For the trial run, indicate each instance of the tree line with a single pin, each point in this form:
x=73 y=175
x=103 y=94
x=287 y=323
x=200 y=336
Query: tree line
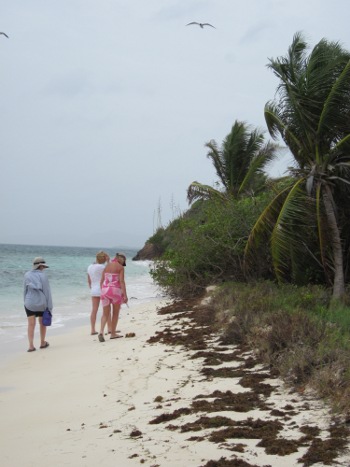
x=292 y=229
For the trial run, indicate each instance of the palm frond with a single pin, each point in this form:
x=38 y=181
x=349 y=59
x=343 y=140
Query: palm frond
x=343 y=141
x=199 y=191
x=261 y=231
x=286 y=69
x=236 y=153
x=288 y=231
x=218 y=161
x=334 y=103
x=277 y=127
x=266 y=154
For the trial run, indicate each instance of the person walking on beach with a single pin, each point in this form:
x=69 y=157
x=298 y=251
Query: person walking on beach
x=113 y=293
x=94 y=274
x=37 y=297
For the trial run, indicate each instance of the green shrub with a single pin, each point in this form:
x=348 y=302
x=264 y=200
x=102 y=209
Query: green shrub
x=206 y=246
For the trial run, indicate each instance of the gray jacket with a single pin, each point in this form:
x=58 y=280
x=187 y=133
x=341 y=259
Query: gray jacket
x=37 y=292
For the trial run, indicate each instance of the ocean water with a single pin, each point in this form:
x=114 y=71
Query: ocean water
x=67 y=274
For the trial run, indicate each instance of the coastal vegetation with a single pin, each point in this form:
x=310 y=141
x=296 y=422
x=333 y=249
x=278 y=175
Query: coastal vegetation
x=277 y=249
x=238 y=164
x=312 y=115
x=292 y=329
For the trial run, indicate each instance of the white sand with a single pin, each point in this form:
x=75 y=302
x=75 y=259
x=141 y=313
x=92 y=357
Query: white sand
x=77 y=402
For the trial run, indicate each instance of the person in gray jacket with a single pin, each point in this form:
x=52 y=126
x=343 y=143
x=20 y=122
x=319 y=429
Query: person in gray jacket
x=37 y=297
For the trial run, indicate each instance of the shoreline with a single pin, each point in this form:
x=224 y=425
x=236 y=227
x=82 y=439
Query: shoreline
x=135 y=400
x=12 y=346
x=69 y=286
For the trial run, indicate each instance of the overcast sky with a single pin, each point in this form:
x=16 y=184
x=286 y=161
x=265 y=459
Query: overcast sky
x=106 y=105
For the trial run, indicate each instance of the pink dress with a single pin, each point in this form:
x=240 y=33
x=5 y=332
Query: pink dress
x=111 y=292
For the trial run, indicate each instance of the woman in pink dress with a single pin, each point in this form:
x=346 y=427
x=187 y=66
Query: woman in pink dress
x=113 y=293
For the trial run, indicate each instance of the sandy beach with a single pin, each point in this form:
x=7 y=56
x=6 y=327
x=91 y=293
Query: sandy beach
x=152 y=399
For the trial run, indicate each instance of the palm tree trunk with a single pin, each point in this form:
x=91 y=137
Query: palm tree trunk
x=338 y=281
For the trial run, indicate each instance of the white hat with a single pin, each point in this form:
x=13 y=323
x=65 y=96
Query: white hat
x=39 y=261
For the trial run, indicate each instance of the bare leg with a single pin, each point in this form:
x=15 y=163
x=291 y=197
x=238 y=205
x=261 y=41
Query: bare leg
x=104 y=319
x=115 y=317
x=42 y=332
x=109 y=323
x=31 y=328
x=95 y=305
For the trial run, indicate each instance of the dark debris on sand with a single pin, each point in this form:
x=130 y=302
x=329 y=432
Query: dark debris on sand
x=223 y=462
x=196 y=336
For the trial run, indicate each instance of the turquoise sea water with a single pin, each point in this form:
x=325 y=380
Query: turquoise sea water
x=67 y=274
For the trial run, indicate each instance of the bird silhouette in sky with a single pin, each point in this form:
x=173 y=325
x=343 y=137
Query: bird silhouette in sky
x=201 y=24
x=4 y=34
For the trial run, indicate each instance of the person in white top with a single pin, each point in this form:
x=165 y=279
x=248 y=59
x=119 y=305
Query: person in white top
x=94 y=274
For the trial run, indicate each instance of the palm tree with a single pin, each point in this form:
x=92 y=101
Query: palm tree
x=312 y=115
x=239 y=164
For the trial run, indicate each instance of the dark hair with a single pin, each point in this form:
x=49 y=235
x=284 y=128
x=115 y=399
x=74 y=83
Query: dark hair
x=121 y=255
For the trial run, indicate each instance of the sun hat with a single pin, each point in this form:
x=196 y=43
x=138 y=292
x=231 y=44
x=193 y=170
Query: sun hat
x=39 y=261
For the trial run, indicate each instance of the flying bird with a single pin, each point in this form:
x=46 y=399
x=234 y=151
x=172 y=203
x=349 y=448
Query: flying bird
x=4 y=34
x=201 y=24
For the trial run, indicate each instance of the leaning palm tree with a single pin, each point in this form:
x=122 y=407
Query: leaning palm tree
x=312 y=115
x=239 y=164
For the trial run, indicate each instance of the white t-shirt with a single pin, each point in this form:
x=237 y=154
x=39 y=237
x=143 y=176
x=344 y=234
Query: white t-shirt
x=95 y=272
